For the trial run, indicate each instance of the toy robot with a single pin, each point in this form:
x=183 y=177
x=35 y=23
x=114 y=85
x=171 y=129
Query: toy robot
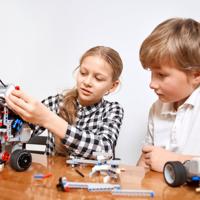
x=177 y=173
x=14 y=134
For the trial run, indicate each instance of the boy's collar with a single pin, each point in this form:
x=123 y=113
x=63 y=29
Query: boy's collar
x=168 y=108
x=192 y=98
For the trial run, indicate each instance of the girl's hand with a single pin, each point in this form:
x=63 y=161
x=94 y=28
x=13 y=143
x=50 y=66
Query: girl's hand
x=28 y=108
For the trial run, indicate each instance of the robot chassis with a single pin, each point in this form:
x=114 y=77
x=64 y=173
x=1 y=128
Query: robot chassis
x=176 y=173
x=14 y=134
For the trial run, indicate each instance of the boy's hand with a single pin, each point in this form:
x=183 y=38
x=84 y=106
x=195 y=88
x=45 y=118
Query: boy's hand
x=156 y=157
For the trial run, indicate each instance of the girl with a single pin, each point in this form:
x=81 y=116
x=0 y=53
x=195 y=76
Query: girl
x=80 y=121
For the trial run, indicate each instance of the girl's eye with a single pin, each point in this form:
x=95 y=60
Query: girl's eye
x=99 y=78
x=82 y=73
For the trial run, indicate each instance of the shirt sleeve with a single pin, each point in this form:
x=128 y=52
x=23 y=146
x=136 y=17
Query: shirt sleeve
x=150 y=128
x=52 y=102
x=84 y=143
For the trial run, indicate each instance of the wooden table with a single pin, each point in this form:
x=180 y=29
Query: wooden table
x=23 y=186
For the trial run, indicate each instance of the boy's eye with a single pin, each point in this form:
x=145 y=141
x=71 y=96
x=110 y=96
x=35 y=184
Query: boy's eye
x=161 y=75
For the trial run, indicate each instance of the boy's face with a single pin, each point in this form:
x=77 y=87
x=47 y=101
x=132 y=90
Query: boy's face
x=94 y=80
x=171 y=84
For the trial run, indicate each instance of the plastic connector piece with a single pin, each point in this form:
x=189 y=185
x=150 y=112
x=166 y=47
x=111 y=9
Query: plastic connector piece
x=17 y=87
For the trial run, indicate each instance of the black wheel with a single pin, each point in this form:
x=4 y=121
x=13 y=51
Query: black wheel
x=175 y=173
x=20 y=160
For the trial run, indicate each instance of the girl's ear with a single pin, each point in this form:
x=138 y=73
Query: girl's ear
x=114 y=86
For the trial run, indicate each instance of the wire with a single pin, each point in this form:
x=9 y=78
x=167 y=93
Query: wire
x=2 y=83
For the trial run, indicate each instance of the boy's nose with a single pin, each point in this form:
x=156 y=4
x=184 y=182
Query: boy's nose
x=153 y=85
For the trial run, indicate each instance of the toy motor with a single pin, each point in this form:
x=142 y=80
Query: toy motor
x=14 y=134
x=177 y=173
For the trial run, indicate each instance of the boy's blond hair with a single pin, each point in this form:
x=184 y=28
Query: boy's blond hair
x=174 y=41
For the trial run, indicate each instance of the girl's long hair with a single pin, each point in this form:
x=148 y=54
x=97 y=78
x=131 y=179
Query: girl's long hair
x=68 y=109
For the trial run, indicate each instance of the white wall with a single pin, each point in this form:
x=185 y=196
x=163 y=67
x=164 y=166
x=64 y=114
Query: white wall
x=41 y=42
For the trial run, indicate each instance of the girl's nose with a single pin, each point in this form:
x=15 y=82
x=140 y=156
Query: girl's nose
x=88 y=81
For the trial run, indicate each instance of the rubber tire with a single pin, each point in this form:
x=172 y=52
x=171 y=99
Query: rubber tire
x=20 y=160
x=180 y=174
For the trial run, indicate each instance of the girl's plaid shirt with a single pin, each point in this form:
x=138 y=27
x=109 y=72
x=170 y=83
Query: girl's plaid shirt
x=96 y=129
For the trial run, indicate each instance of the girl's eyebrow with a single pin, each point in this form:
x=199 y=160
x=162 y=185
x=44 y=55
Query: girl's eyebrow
x=97 y=74
x=101 y=75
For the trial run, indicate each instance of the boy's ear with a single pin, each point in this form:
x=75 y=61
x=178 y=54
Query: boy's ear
x=196 y=76
x=114 y=86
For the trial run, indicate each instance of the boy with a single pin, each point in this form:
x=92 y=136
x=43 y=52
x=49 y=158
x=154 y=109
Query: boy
x=172 y=54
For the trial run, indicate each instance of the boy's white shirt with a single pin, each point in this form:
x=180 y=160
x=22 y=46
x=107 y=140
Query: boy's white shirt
x=177 y=131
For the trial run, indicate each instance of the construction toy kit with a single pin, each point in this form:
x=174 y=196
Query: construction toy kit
x=14 y=134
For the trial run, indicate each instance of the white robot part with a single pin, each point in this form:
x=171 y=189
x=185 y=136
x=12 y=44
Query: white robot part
x=193 y=167
x=25 y=133
x=9 y=89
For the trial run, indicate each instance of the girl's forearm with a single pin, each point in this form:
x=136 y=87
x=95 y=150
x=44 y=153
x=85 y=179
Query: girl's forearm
x=55 y=124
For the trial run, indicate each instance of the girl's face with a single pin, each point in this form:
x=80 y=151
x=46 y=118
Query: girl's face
x=172 y=84
x=94 y=80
